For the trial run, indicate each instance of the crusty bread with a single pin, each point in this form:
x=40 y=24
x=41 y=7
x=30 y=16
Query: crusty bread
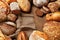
x=37 y=35
x=53 y=16
x=52 y=29
x=24 y=5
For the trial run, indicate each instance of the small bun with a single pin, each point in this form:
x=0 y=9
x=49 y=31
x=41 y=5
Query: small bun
x=37 y=35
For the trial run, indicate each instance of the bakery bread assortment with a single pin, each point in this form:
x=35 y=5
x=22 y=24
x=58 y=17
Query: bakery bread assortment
x=14 y=26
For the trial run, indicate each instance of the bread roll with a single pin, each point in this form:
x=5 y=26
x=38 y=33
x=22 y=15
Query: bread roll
x=53 y=16
x=37 y=35
x=24 y=5
x=15 y=7
x=52 y=29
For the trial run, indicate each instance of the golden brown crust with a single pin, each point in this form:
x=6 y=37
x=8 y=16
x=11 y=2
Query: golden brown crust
x=2 y=37
x=53 y=16
x=22 y=36
x=24 y=5
x=42 y=34
x=52 y=28
x=38 y=35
